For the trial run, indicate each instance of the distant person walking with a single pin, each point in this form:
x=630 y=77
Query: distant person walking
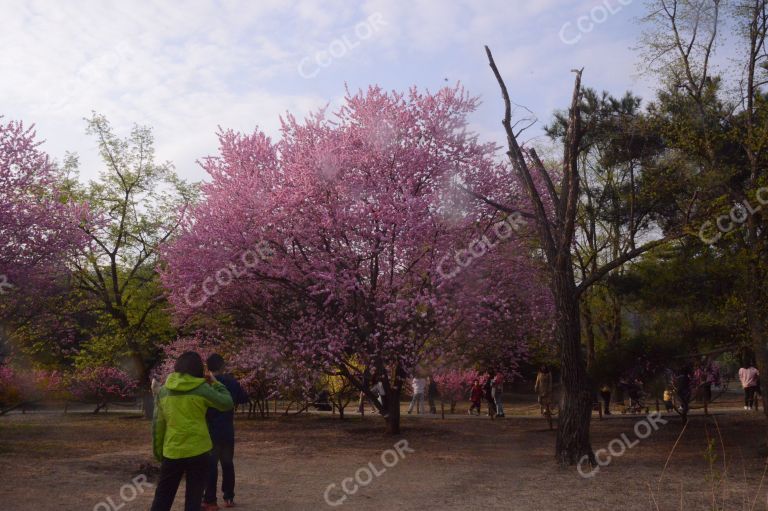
x=496 y=392
x=605 y=394
x=432 y=394
x=222 y=428
x=181 y=441
x=419 y=386
x=543 y=387
x=749 y=378
x=378 y=390
x=488 y=393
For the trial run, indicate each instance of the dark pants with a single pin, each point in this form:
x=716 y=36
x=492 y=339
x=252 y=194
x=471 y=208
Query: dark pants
x=223 y=452
x=195 y=469
x=491 y=406
x=432 y=407
x=749 y=396
x=606 y=402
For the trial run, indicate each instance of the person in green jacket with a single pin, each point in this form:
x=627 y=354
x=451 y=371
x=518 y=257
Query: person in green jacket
x=181 y=441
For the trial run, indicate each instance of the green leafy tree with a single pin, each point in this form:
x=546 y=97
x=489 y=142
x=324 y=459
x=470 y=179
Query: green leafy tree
x=138 y=204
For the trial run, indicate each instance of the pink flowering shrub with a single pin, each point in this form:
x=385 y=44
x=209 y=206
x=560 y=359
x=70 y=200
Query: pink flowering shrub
x=19 y=387
x=454 y=385
x=9 y=392
x=101 y=385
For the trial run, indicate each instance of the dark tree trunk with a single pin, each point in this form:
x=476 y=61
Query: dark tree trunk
x=757 y=333
x=147 y=403
x=576 y=409
x=589 y=332
x=145 y=385
x=393 y=404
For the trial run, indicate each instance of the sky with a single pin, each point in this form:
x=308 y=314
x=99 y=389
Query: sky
x=186 y=67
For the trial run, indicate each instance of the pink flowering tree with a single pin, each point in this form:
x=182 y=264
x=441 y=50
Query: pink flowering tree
x=331 y=244
x=39 y=226
x=102 y=385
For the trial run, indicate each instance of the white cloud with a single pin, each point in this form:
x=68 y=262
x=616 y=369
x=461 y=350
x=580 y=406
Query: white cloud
x=185 y=68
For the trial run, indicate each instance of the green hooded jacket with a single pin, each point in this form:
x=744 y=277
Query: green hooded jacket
x=179 y=429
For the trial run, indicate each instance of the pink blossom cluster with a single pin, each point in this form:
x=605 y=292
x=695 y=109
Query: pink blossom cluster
x=102 y=384
x=39 y=227
x=453 y=385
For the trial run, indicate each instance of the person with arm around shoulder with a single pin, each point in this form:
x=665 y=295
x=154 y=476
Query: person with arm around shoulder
x=222 y=428
x=180 y=437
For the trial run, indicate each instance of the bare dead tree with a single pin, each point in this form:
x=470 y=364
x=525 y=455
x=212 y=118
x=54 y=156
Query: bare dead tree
x=556 y=237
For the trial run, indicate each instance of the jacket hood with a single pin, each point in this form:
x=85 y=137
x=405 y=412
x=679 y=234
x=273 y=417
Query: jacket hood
x=183 y=382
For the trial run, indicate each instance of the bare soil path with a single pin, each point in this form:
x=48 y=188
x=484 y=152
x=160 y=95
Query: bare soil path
x=50 y=461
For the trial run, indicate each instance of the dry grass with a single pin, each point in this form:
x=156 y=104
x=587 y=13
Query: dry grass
x=51 y=461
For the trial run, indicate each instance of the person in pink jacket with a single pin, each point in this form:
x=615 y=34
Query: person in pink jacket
x=749 y=378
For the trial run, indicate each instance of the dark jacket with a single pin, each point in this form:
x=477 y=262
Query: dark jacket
x=432 y=392
x=487 y=386
x=222 y=424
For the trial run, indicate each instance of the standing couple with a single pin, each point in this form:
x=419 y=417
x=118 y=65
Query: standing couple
x=193 y=431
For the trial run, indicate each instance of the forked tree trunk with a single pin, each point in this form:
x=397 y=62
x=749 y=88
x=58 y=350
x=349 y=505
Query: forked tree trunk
x=576 y=410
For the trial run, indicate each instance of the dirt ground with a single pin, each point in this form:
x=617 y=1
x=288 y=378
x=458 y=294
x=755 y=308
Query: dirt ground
x=51 y=461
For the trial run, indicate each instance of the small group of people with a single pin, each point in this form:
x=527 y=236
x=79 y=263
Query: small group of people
x=684 y=385
x=491 y=390
x=422 y=387
x=193 y=433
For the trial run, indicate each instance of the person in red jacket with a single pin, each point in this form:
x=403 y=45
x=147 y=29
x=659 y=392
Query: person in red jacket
x=476 y=396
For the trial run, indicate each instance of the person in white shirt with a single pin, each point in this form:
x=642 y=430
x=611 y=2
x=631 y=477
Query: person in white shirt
x=749 y=378
x=378 y=389
x=418 y=385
